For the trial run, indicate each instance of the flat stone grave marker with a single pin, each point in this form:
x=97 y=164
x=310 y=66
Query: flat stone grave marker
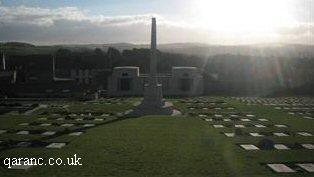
x=281 y=147
x=79 y=119
x=249 y=147
x=280 y=168
x=22 y=166
x=263 y=120
x=2 y=131
x=61 y=118
x=256 y=134
x=56 y=145
x=250 y=115
x=208 y=120
x=24 y=124
x=218 y=115
x=45 y=125
x=304 y=134
x=48 y=133
x=88 y=125
x=309 y=167
x=234 y=115
x=42 y=118
x=76 y=133
x=308 y=117
x=280 y=134
x=23 y=132
x=259 y=126
x=24 y=144
x=246 y=120
x=202 y=115
x=239 y=126
x=120 y=114
x=308 y=146
x=230 y=134
x=67 y=125
x=227 y=120
x=281 y=126
x=55 y=115
x=98 y=119
x=218 y=126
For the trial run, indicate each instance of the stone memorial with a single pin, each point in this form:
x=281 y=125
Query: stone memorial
x=153 y=102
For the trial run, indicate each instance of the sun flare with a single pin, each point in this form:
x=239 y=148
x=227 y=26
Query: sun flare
x=254 y=16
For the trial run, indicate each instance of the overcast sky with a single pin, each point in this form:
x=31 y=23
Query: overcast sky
x=113 y=21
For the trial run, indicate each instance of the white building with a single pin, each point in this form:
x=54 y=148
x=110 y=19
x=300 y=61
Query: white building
x=182 y=81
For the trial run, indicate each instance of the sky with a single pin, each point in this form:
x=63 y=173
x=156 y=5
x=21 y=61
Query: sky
x=222 y=22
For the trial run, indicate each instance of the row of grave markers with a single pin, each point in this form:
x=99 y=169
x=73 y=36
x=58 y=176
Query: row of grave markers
x=252 y=147
x=291 y=168
x=279 y=168
x=295 y=106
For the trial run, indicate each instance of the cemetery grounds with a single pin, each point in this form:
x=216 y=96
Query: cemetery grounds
x=214 y=136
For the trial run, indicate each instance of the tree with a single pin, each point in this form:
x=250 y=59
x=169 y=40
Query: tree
x=99 y=52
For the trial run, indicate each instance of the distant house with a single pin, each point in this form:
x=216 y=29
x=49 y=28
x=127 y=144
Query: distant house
x=31 y=68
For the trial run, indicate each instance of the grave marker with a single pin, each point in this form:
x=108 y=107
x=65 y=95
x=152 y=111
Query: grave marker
x=76 y=133
x=304 y=134
x=22 y=166
x=48 y=133
x=56 y=145
x=249 y=147
x=280 y=168
x=308 y=146
x=281 y=147
x=309 y=167
x=67 y=125
x=256 y=134
x=218 y=126
x=260 y=126
x=280 y=134
x=281 y=126
x=23 y=132
x=230 y=134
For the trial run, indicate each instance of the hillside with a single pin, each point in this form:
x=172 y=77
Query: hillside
x=199 y=49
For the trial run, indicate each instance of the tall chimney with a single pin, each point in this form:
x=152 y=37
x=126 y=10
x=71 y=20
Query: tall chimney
x=53 y=66
x=3 y=61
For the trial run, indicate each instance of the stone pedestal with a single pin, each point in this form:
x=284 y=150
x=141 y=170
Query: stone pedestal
x=153 y=104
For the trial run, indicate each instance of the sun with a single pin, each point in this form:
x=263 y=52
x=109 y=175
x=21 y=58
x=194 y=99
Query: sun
x=255 y=16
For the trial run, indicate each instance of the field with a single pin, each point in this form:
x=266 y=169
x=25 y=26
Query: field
x=205 y=141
